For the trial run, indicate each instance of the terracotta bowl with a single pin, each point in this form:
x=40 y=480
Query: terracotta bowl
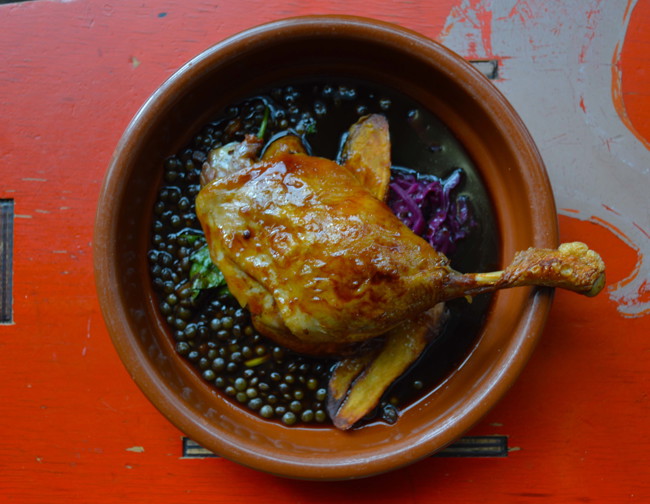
x=510 y=168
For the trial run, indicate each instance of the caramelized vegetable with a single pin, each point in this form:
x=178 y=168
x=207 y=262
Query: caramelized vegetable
x=366 y=153
x=358 y=382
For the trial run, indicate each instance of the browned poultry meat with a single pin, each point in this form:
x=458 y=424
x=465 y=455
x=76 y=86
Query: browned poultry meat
x=321 y=263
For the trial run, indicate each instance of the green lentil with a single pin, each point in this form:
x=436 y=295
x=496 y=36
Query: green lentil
x=267 y=411
x=289 y=418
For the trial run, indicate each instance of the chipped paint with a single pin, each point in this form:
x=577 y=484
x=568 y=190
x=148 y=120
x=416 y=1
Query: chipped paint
x=595 y=158
x=476 y=15
x=582 y=104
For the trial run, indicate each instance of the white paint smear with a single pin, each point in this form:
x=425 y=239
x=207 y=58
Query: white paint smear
x=556 y=70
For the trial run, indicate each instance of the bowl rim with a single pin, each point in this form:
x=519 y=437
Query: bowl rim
x=185 y=418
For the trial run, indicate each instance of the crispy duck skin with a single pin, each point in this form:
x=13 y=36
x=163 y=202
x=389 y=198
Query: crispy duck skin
x=316 y=258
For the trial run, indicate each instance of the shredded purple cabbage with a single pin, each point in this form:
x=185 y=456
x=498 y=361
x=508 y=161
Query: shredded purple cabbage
x=427 y=205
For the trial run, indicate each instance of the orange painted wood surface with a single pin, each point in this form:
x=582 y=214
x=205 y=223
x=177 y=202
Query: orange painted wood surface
x=75 y=428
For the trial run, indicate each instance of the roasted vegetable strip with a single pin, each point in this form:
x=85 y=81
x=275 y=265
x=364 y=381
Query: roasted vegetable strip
x=344 y=374
x=402 y=346
x=289 y=144
x=366 y=153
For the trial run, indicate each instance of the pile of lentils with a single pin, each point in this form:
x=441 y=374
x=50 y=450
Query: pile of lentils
x=210 y=330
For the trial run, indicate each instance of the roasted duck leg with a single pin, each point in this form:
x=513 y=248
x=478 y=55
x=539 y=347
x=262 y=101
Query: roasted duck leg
x=322 y=263
x=359 y=380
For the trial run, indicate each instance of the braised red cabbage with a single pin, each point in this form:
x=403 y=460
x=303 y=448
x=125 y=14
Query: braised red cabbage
x=430 y=207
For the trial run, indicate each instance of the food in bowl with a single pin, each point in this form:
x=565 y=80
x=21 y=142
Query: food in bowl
x=214 y=333
x=296 y=263
x=484 y=345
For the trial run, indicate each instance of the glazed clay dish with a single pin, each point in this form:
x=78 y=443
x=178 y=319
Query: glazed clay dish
x=517 y=196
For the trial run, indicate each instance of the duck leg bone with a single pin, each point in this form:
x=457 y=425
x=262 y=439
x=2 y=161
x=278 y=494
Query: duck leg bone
x=572 y=266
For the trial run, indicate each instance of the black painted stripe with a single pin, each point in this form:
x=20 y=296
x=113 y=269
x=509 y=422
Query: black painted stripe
x=468 y=446
x=6 y=259
x=477 y=446
x=488 y=67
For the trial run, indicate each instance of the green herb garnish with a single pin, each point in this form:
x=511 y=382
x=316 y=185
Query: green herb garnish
x=311 y=128
x=265 y=122
x=204 y=274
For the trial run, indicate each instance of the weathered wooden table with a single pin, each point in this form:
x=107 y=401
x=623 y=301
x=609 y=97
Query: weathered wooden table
x=75 y=427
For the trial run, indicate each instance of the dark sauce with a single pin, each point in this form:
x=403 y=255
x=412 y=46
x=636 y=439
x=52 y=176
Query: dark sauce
x=216 y=336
